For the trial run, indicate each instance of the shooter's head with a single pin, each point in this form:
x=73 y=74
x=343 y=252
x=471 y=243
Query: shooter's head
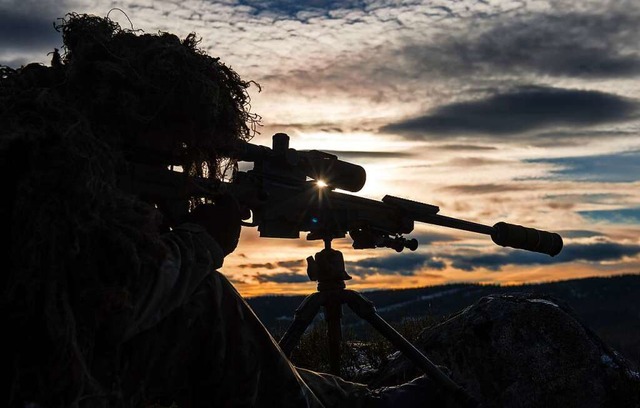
x=158 y=99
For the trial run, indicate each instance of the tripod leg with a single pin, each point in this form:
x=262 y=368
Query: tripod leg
x=303 y=316
x=365 y=309
x=333 y=315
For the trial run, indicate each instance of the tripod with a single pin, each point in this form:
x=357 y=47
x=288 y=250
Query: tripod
x=327 y=268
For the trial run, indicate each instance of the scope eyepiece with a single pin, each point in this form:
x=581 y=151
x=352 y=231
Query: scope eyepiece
x=530 y=239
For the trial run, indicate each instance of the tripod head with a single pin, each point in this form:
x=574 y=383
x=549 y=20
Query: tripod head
x=327 y=268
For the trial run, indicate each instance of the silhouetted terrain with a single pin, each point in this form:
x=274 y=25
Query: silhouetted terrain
x=609 y=306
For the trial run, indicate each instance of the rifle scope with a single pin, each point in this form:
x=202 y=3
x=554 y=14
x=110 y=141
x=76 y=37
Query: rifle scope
x=283 y=171
x=291 y=163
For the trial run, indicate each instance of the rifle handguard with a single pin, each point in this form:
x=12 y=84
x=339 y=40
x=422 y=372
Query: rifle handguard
x=531 y=239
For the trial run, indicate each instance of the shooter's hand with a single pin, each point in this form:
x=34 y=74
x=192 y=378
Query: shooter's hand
x=221 y=220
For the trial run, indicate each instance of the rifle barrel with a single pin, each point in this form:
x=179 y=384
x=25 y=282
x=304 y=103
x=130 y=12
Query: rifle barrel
x=504 y=234
x=445 y=221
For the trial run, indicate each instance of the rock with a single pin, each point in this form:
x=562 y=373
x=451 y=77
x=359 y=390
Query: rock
x=524 y=351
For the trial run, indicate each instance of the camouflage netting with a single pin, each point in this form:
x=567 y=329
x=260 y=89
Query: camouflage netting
x=80 y=247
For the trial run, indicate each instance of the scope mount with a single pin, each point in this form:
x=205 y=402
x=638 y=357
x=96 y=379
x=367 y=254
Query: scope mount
x=368 y=238
x=365 y=238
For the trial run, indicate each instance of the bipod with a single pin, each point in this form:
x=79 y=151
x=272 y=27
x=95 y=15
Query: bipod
x=327 y=268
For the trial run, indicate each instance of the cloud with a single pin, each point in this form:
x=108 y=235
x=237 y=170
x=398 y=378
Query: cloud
x=476 y=161
x=351 y=154
x=580 y=234
x=464 y=147
x=409 y=264
x=589 y=45
x=596 y=252
x=601 y=42
x=268 y=265
x=568 y=138
x=291 y=275
x=292 y=265
x=283 y=277
x=488 y=188
x=312 y=126
x=590 y=198
x=613 y=168
x=406 y=264
x=520 y=110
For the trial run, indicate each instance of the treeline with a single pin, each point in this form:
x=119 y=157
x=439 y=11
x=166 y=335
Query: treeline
x=608 y=305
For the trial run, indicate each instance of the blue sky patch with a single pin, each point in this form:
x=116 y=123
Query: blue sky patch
x=612 y=168
x=294 y=8
x=621 y=216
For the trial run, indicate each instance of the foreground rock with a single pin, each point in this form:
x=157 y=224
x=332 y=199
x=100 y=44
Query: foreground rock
x=524 y=351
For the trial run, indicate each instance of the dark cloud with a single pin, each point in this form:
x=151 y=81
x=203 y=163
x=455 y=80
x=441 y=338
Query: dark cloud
x=570 y=138
x=520 y=110
x=621 y=216
x=28 y=31
x=267 y=265
x=406 y=264
x=327 y=127
x=613 y=168
x=350 y=154
x=488 y=188
x=601 y=43
x=292 y=265
x=589 y=45
x=283 y=277
x=464 y=147
x=597 y=252
x=561 y=205
x=580 y=234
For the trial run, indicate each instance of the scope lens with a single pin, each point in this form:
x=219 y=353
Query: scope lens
x=337 y=174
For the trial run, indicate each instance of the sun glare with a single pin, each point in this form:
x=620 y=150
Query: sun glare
x=321 y=183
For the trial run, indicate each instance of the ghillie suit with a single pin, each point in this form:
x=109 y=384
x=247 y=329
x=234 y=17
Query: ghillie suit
x=81 y=249
x=101 y=305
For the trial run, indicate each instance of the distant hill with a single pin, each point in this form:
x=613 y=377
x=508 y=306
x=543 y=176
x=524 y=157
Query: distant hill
x=609 y=306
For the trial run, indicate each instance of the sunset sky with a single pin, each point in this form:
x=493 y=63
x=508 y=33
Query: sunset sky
x=518 y=111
